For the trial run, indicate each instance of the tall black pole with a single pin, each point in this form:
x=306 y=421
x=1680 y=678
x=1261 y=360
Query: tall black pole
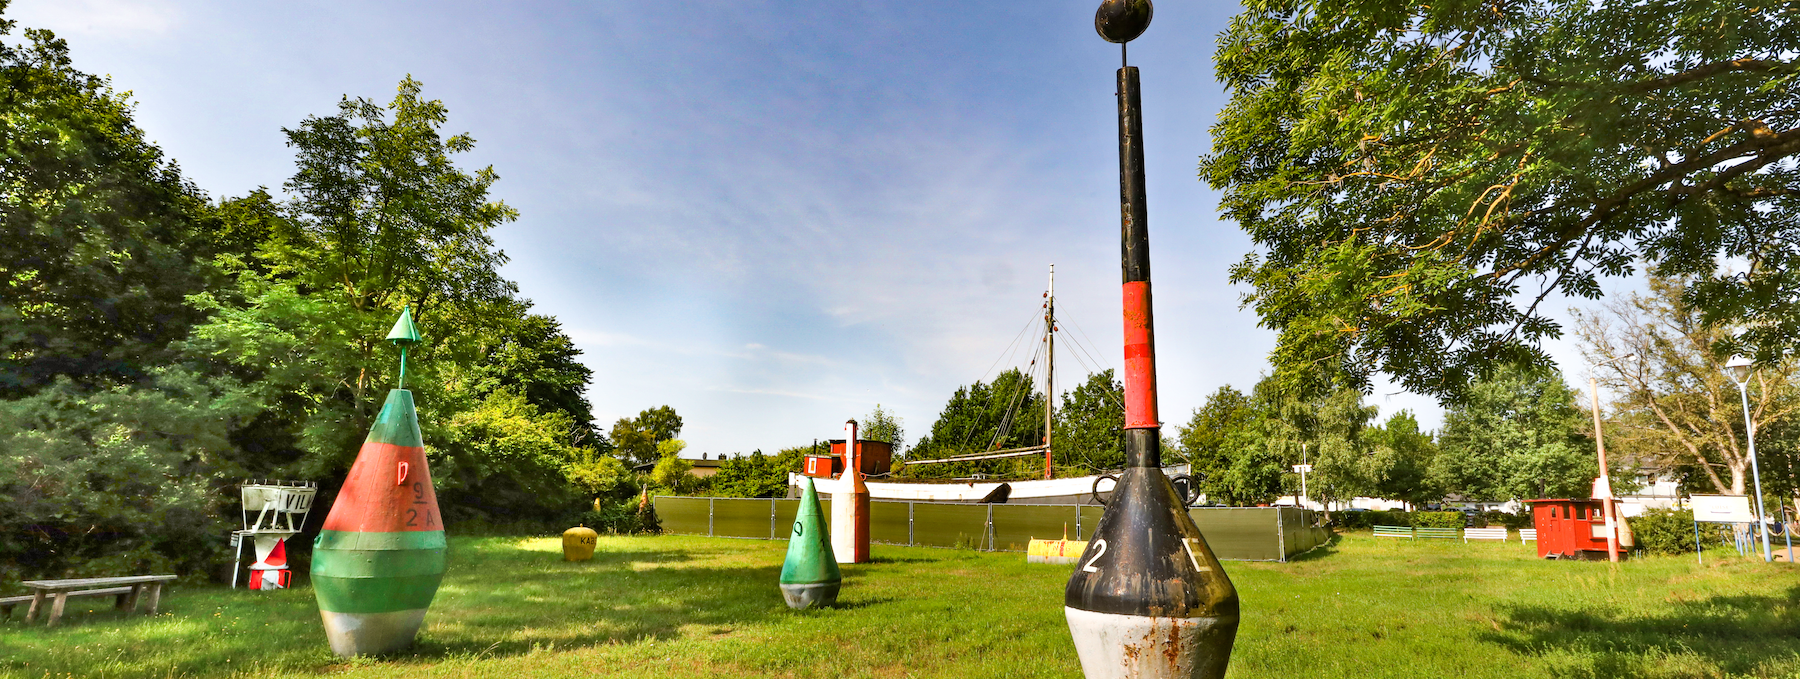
x=1148 y=598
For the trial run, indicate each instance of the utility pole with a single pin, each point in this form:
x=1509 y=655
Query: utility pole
x=1049 y=369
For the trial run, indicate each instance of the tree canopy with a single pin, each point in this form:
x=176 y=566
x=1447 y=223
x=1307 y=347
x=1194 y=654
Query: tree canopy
x=1420 y=178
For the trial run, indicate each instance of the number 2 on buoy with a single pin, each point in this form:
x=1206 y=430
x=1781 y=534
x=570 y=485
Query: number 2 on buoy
x=1090 y=564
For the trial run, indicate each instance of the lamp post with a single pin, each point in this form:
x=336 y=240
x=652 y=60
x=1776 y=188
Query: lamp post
x=1738 y=368
x=1612 y=530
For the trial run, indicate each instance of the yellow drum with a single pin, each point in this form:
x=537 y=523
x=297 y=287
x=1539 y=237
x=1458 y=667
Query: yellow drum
x=578 y=543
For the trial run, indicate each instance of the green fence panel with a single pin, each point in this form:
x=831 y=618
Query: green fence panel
x=1016 y=525
x=741 y=518
x=950 y=525
x=1087 y=517
x=785 y=510
x=1235 y=534
x=888 y=523
x=683 y=514
x=1240 y=533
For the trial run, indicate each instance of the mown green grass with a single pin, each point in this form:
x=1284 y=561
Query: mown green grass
x=702 y=607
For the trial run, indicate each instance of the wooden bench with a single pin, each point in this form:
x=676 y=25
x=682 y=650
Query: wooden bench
x=1527 y=535
x=122 y=594
x=1424 y=533
x=1394 y=532
x=127 y=589
x=1484 y=534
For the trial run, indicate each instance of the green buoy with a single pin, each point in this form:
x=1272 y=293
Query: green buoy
x=810 y=575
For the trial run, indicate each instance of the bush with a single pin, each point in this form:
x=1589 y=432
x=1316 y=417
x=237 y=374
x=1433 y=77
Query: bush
x=621 y=517
x=1508 y=519
x=1671 y=531
x=1437 y=519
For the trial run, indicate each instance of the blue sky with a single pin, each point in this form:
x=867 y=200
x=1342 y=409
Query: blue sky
x=771 y=216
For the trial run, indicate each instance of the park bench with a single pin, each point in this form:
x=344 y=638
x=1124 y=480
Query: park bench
x=1484 y=534
x=125 y=589
x=1394 y=532
x=1424 y=533
x=1527 y=535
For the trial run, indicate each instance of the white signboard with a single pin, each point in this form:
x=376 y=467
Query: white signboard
x=1722 y=508
x=1302 y=468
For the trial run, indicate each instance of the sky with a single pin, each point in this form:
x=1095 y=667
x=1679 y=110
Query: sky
x=772 y=216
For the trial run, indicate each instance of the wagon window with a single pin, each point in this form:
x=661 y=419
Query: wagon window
x=1553 y=513
x=1581 y=512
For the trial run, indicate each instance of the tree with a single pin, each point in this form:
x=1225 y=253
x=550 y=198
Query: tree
x=1203 y=439
x=1676 y=397
x=637 y=437
x=1090 y=427
x=1401 y=458
x=1516 y=436
x=98 y=233
x=757 y=475
x=1419 y=178
x=883 y=425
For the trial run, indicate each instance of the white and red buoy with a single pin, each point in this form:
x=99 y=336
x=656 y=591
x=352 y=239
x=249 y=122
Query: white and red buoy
x=850 y=505
x=1148 y=598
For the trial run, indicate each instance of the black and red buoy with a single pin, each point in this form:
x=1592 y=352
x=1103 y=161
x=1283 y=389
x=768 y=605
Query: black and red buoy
x=1148 y=598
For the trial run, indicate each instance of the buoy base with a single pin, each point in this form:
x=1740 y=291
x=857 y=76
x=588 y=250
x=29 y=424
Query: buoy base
x=1116 y=646
x=802 y=597
x=353 y=634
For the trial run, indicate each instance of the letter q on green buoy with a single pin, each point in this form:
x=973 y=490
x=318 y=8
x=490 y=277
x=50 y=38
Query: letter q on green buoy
x=810 y=576
x=380 y=555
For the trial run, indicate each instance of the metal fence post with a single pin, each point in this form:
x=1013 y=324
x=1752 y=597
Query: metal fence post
x=909 y=524
x=709 y=516
x=771 y=518
x=990 y=527
x=1078 y=521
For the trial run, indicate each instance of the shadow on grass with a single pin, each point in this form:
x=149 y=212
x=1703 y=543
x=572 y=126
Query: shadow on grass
x=1735 y=634
x=502 y=603
x=1324 y=551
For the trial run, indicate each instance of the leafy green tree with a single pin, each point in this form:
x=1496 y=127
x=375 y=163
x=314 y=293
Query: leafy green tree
x=883 y=425
x=1090 y=427
x=119 y=480
x=1516 y=436
x=756 y=474
x=97 y=231
x=675 y=475
x=1418 y=178
x=636 y=438
x=1401 y=457
x=602 y=475
x=1202 y=440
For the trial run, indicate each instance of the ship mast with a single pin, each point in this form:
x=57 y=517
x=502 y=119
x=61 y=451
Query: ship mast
x=1049 y=369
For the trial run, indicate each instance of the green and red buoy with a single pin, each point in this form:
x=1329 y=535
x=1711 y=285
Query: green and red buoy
x=380 y=556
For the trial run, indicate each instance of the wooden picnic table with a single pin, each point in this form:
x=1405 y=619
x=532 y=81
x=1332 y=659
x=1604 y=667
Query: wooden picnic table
x=127 y=590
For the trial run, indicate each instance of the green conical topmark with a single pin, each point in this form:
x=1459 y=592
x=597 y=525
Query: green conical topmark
x=404 y=331
x=810 y=575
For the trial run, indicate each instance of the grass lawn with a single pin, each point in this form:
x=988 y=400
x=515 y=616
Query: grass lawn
x=679 y=606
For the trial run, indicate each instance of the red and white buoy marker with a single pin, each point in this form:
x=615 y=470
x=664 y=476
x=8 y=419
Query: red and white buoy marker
x=850 y=506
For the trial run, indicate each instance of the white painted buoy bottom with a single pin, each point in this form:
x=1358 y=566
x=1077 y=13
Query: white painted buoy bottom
x=1116 y=646
x=800 y=597
x=371 y=633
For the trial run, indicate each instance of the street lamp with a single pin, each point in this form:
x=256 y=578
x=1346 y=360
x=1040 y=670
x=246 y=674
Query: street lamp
x=1612 y=531
x=1739 y=370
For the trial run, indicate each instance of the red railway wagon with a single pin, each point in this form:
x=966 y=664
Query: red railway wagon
x=1570 y=529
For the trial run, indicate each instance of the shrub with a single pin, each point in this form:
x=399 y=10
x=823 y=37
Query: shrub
x=1437 y=519
x=618 y=517
x=1671 y=531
